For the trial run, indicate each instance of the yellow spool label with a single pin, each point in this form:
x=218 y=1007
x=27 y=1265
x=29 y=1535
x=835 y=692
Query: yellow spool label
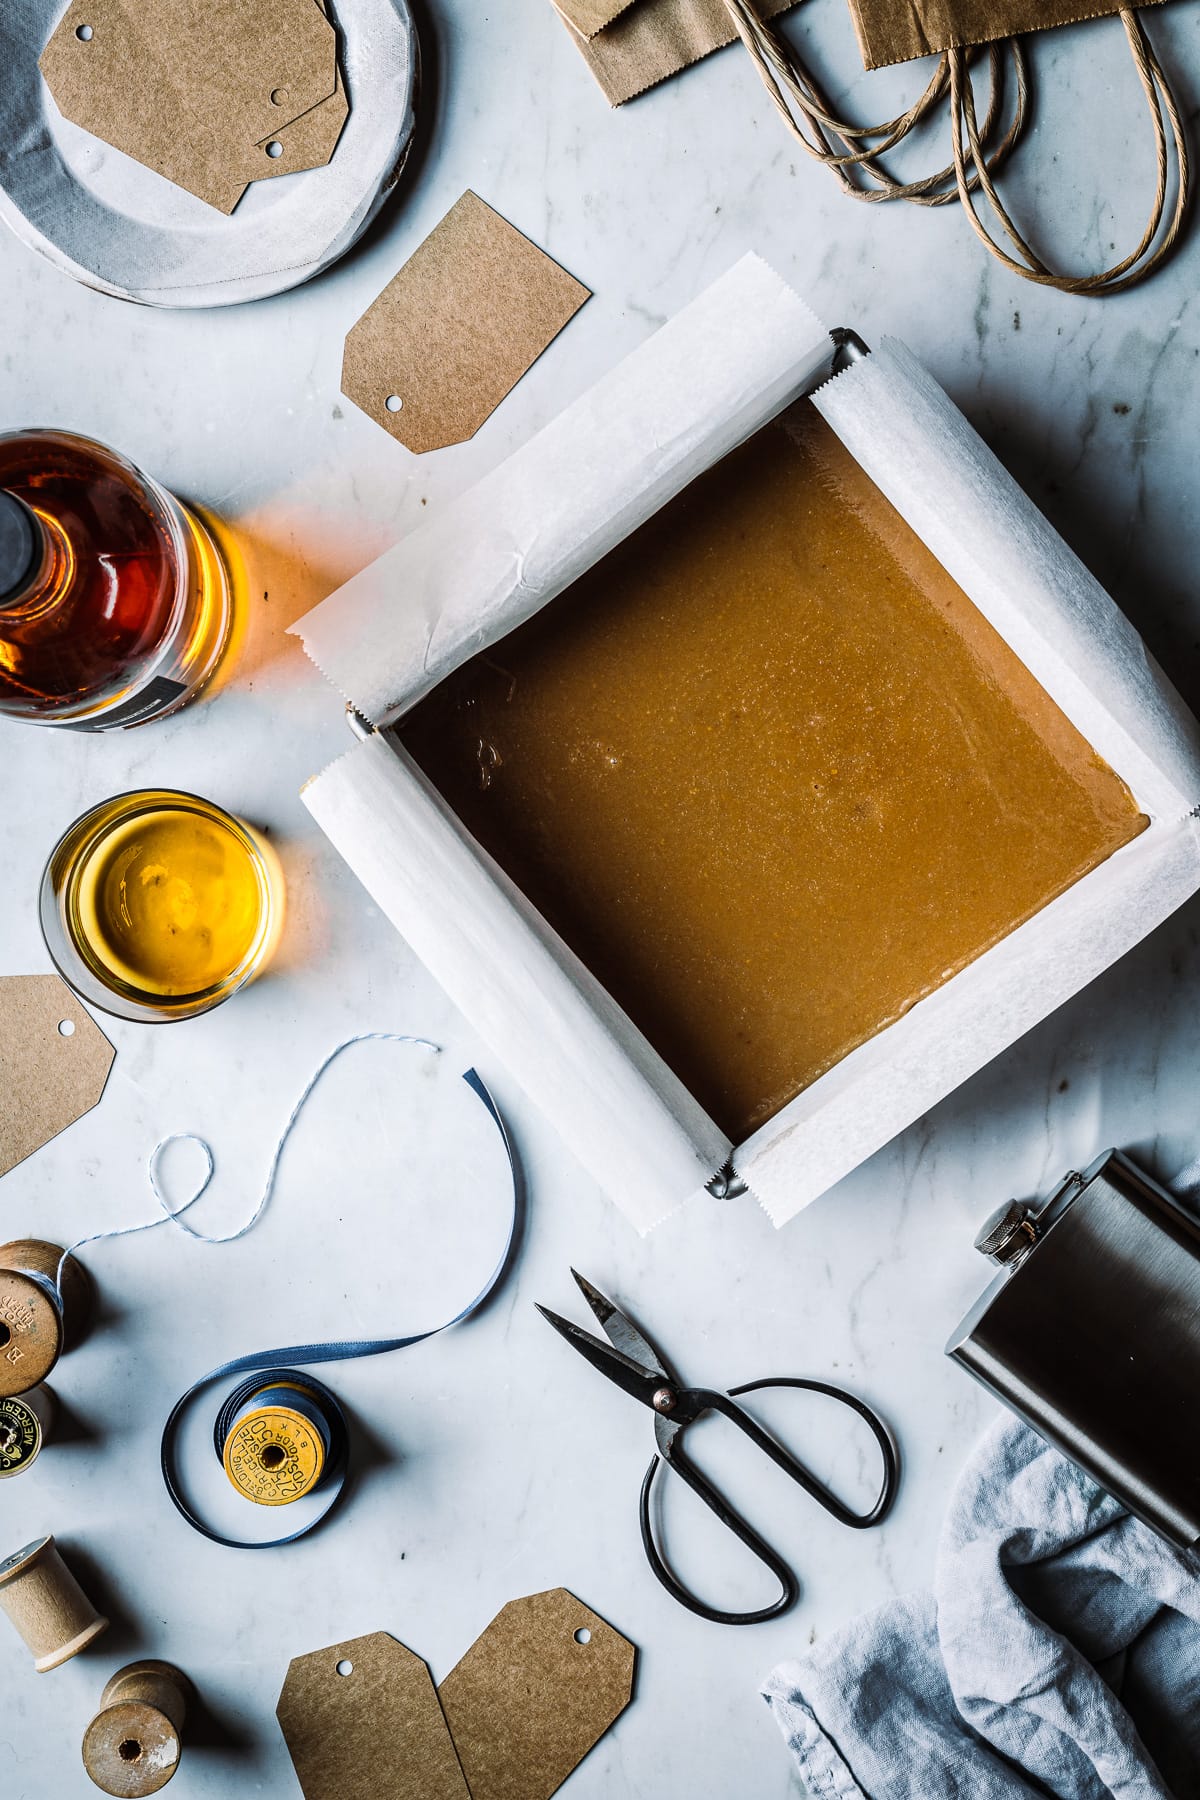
x=273 y=1456
x=20 y=1436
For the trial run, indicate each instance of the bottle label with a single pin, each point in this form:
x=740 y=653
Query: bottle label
x=155 y=698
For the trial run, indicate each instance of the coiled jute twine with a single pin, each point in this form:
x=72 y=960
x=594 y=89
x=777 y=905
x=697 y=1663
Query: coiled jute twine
x=852 y=152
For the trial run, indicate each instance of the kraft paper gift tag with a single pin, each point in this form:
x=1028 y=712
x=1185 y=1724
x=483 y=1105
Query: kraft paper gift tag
x=453 y=332
x=651 y=40
x=307 y=143
x=211 y=94
x=54 y=1063
x=520 y=1711
x=892 y=31
x=534 y=1694
x=362 y=1721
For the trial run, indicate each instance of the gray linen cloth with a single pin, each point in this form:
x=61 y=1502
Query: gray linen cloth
x=1058 y=1654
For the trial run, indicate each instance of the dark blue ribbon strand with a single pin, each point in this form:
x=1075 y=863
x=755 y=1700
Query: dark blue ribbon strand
x=274 y=1363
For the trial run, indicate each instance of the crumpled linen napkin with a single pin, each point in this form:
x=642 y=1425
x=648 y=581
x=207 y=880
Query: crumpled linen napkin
x=1058 y=1654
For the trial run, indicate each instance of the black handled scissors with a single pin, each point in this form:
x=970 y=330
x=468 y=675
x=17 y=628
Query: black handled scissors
x=633 y=1363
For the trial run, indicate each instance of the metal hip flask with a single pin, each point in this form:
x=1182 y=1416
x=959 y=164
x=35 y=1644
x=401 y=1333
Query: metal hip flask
x=1091 y=1333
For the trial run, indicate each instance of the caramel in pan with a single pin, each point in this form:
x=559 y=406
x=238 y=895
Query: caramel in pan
x=770 y=773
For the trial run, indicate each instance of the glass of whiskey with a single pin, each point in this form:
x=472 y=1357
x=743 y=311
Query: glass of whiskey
x=159 y=905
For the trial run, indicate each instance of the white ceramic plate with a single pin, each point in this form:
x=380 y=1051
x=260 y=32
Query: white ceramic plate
x=109 y=222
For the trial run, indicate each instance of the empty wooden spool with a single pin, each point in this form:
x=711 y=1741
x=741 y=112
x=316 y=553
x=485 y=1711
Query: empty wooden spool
x=133 y=1745
x=34 y=1332
x=47 y=1604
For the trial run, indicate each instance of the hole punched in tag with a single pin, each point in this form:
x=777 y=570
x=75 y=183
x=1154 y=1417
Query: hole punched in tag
x=456 y=328
x=514 y=1717
x=380 y=1732
x=534 y=1693
x=193 y=90
x=54 y=1063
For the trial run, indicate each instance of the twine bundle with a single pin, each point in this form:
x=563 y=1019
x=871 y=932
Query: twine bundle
x=852 y=152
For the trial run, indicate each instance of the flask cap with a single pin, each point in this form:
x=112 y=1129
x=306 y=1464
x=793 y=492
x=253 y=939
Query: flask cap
x=1009 y=1234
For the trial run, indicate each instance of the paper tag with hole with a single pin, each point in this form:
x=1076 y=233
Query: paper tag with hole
x=54 y=1063
x=362 y=1720
x=469 y=313
x=534 y=1693
x=527 y=1702
x=212 y=94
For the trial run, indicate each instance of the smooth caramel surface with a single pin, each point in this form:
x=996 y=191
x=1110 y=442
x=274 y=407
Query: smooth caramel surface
x=770 y=773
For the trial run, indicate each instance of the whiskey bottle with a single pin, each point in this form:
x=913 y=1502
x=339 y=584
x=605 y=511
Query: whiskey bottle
x=115 y=601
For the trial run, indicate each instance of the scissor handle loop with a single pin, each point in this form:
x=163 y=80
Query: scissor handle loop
x=693 y=1403
x=717 y=1504
x=806 y=1479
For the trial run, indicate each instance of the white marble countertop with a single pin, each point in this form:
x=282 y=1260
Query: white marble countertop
x=500 y=1464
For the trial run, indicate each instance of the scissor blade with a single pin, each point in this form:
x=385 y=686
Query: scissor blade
x=621 y=1332
x=627 y=1374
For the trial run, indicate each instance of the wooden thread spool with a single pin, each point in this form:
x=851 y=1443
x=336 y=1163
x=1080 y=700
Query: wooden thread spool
x=34 y=1329
x=133 y=1745
x=47 y=1605
x=278 y=1445
x=26 y=1422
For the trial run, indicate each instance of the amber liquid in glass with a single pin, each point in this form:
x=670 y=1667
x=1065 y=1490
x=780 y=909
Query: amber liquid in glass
x=129 y=610
x=159 y=905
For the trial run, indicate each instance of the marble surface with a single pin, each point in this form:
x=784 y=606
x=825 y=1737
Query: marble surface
x=496 y=1463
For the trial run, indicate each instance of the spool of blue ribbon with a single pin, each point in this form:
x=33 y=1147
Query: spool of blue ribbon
x=280 y=1367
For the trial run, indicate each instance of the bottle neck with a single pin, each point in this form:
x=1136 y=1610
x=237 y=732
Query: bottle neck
x=34 y=555
x=22 y=550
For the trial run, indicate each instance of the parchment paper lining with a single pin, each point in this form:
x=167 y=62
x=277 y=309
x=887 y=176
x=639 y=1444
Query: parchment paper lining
x=719 y=370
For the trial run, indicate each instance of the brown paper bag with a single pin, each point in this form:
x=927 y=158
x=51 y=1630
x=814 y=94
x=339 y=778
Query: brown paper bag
x=892 y=31
x=652 y=39
x=587 y=17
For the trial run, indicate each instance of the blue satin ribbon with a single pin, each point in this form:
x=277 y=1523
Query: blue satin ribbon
x=276 y=1365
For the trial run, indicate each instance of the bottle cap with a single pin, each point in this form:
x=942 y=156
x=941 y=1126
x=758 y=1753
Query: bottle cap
x=20 y=544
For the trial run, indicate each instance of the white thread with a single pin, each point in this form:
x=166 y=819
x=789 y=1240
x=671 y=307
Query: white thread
x=174 y=1215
